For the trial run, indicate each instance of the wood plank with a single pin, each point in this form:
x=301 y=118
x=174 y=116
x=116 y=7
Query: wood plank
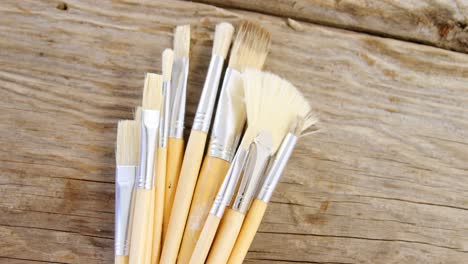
x=439 y=23
x=384 y=181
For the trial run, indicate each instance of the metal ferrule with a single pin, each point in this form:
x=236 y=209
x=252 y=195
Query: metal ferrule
x=257 y=160
x=179 y=85
x=230 y=118
x=205 y=108
x=225 y=193
x=124 y=185
x=277 y=167
x=149 y=135
x=165 y=115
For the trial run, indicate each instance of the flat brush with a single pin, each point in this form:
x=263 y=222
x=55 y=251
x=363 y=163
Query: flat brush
x=167 y=60
x=127 y=151
x=257 y=210
x=142 y=222
x=196 y=146
x=272 y=105
x=250 y=49
x=175 y=148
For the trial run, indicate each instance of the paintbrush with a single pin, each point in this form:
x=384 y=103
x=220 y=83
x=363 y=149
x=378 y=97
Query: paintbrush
x=126 y=154
x=250 y=49
x=196 y=144
x=160 y=186
x=175 y=148
x=144 y=199
x=259 y=205
x=272 y=105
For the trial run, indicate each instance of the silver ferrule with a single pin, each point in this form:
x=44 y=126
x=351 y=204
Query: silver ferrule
x=149 y=135
x=257 y=160
x=179 y=85
x=277 y=167
x=165 y=115
x=205 y=108
x=230 y=118
x=225 y=193
x=124 y=185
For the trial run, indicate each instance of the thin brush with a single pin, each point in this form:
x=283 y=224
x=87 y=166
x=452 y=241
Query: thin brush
x=140 y=249
x=272 y=105
x=196 y=146
x=175 y=148
x=257 y=210
x=167 y=61
x=126 y=154
x=250 y=49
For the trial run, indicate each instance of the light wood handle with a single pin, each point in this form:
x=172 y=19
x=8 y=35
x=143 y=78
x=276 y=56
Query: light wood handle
x=183 y=197
x=205 y=240
x=140 y=226
x=210 y=179
x=249 y=229
x=175 y=155
x=121 y=260
x=158 y=209
x=226 y=237
x=149 y=229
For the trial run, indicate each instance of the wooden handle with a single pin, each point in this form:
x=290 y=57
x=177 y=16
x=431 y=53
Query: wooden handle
x=249 y=229
x=205 y=240
x=149 y=229
x=183 y=197
x=140 y=224
x=158 y=209
x=175 y=154
x=121 y=260
x=226 y=237
x=210 y=179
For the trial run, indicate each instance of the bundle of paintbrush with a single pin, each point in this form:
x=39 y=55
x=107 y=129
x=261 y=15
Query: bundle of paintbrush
x=169 y=204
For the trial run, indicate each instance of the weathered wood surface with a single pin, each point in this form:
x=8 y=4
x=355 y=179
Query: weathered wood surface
x=384 y=181
x=439 y=23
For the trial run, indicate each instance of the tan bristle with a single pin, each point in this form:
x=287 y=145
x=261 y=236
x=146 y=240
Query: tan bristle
x=272 y=105
x=128 y=143
x=306 y=125
x=222 y=39
x=167 y=61
x=152 y=92
x=182 y=41
x=137 y=115
x=250 y=47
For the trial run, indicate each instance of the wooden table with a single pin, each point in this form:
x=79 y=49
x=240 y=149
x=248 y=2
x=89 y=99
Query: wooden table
x=384 y=181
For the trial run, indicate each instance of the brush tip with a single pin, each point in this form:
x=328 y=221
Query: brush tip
x=250 y=47
x=152 y=92
x=128 y=143
x=273 y=105
x=222 y=39
x=167 y=61
x=182 y=41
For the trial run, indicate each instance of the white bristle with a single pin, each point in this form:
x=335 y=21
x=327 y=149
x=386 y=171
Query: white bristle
x=182 y=41
x=250 y=47
x=167 y=61
x=128 y=143
x=272 y=105
x=137 y=114
x=222 y=39
x=152 y=92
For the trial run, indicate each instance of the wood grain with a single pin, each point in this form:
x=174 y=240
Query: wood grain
x=384 y=181
x=438 y=23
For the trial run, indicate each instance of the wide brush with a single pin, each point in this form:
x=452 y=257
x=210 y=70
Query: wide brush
x=250 y=49
x=272 y=105
x=196 y=146
x=160 y=186
x=126 y=154
x=175 y=148
x=142 y=225
x=257 y=210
